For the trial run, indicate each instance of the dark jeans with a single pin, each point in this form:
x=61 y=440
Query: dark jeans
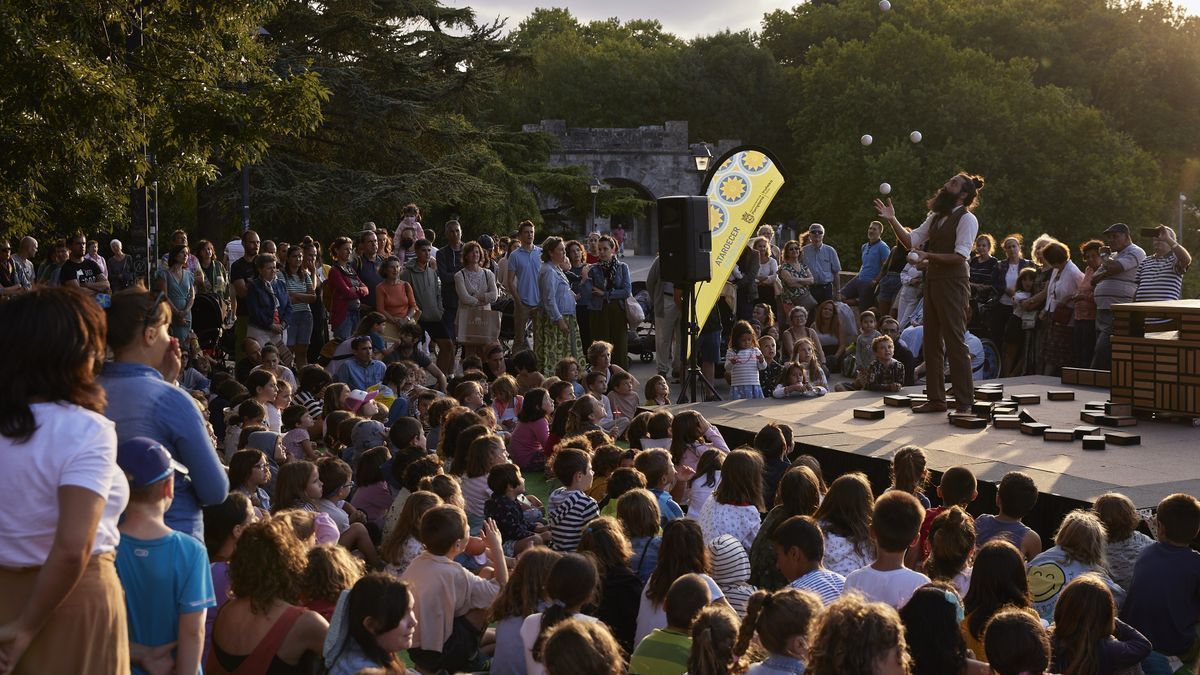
x=1085 y=342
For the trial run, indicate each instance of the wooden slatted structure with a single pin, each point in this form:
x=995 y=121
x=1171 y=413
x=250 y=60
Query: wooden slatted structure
x=1156 y=367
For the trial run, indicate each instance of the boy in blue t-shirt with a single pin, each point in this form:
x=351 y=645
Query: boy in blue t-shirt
x=165 y=573
x=656 y=465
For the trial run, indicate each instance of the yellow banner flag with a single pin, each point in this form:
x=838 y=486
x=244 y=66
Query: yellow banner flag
x=738 y=194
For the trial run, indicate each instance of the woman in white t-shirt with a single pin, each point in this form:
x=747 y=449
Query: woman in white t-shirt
x=65 y=491
x=571 y=585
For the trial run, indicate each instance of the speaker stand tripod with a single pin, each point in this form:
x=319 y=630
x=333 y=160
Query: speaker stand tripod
x=689 y=337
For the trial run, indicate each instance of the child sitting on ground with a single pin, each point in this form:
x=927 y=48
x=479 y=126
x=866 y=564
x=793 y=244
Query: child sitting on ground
x=1125 y=543
x=637 y=511
x=567 y=370
x=451 y=603
x=296 y=441
x=1015 y=498
x=1015 y=643
x=957 y=488
x=402 y=544
x=507 y=484
x=623 y=479
x=165 y=575
x=951 y=546
x=782 y=620
x=768 y=377
x=884 y=372
x=610 y=421
x=529 y=438
x=570 y=508
x=605 y=459
x=665 y=651
x=658 y=392
x=660 y=475
x=855 y=635
x=622 y=398
x=331 y=569
x=895 y=525
x=658 y=430
x=506 y=402
x=799 y=550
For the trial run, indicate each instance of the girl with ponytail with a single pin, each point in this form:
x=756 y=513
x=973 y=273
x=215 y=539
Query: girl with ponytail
x=951 y=545
x=714 y=638
x=783 y=621
x=909 y=473
x=571 y=585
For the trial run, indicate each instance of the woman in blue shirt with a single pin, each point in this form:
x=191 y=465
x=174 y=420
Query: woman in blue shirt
x=611 y=285
x=555 y=328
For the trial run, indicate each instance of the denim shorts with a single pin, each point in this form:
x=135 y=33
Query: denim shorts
x=300 y=328
x=889 y=286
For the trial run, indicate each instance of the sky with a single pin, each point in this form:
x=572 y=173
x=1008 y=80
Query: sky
x=686 y=18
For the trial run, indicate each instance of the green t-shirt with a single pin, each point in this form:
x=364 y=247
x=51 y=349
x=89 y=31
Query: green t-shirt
x=664 y=651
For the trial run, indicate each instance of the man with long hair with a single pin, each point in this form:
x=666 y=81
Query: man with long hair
x=942 y=246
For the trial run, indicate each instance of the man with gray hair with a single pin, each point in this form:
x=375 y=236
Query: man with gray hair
x=823 y=261
x=23 y=260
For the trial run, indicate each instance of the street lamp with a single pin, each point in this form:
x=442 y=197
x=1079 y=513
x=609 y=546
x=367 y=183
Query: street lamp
x=702 y=157
x=594 y=186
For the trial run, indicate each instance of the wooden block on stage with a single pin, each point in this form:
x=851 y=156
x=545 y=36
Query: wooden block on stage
x=1122 y=438
x=868 y=413
x=1027 y=399
x=1004 y=410
x=989 y=394
x=1080 y=432
x=1070 y=375
x=1117 y=421
x=1090 y=416
x=982 y=409
x=1067 y=435
x=968 y=422
x=1006 y=422
x=1033 y=428
x=1118 y=409
x=897 y=401
x=1026 y=417
x=1093 y=442
x=1060 y=395
x=1095 y=405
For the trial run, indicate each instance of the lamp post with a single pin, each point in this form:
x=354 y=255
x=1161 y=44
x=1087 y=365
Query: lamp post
x=594 y=186
x=1182 y=201
x=702 y=156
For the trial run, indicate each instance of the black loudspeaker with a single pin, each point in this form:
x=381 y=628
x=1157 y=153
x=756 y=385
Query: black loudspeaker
x=684 y=239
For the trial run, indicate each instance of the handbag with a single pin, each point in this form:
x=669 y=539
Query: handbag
x=1062 y=314
x=634 y=313
x=478 y=325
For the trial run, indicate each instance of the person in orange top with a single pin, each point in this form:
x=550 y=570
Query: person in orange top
x=394 y=296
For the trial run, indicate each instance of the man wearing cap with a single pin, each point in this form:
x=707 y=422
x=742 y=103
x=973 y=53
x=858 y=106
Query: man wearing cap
x=1114 y=282
x=449 y=262
x=823 y=261
x=942 y=245
x=164 y=573
x=363 y=371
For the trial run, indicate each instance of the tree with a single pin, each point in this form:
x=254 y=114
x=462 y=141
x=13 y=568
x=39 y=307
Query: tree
x=85 y=112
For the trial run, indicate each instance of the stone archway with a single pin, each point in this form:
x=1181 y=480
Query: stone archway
x=657 y=161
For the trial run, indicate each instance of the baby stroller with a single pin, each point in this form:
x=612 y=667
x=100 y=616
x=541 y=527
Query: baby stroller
x=208 y=323
x=641 y=336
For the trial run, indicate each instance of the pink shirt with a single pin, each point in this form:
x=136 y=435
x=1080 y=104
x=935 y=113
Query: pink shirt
x=528 y=441
x=373 y=500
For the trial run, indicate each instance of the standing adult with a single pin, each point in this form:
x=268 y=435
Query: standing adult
x=366 y=264
x=523 y=264
x=1084 y=342
x=611 y=284
x=1004 y=286
x=320 y=275
x=770 y=233
x=943 y=243
x=555 y=328
x=270 y=308
x=768 y=273
x=1160 y=275
x=211 y=277
x=475 y=287
x=824 y=264
x=618 y=235
x=427 y=289
x=394 y=297
x=746 y=284
x=346 y=288
x=1059 y=310
x=1115 y=282
x=61 y=605
x=23 y=258
x=241 y=271
x=8 y=272
x=302 y=293
x=49 y=272
x=449 y=261
x=144 y=400
x=890 y=284
x=79 y=272
x=666 y=322
x=180 y=238
x=795 y=279
x=178 y=284
x=577 y=275
x=93 y=254
x=859 y=290
x=983 y=266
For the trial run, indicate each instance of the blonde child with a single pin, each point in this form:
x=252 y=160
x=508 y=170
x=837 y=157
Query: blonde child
x=782 y=620
x=331 y=569
x=506 y=402
x=1078 y=549
x=402 y=543
x=805 y=353
x=863 y=344
x=743 y=361
x=658 y=392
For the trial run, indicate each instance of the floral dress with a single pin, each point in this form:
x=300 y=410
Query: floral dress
x=793 y=296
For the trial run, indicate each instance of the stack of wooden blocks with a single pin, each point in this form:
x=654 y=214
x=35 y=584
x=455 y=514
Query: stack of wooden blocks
x=1156 y=367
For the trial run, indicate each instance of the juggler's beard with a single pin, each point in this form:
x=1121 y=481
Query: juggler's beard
x=942 y=203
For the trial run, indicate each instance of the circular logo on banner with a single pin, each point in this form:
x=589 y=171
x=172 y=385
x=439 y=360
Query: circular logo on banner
x=753 y=162
x=727 y=165
x=733 y=189
x=718 y=216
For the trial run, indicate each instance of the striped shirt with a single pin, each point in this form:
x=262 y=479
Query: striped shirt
x=664 y=651
x=1158 y=280
x=1116 y=287
x=570 y=511
x=825 y=584
x=743 y=366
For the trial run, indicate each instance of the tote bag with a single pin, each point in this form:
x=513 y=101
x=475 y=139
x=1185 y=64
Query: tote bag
x=478 y=325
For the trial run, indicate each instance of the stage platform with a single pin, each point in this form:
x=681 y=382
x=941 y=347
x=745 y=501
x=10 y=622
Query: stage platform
x=1068 y=477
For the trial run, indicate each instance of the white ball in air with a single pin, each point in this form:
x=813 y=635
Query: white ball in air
x=915 y=137
x=866 y=139
x=885 y=5
x=885 y=188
